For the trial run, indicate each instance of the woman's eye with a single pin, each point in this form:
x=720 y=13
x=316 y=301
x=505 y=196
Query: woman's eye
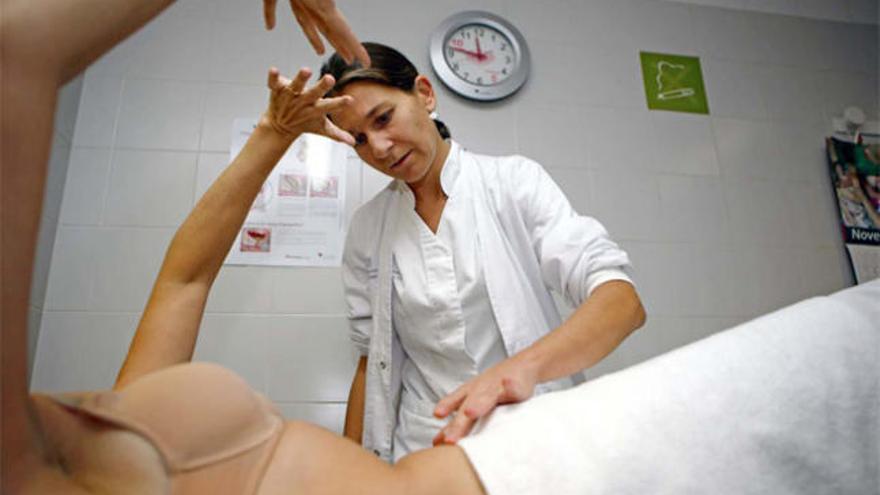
x=383 y=119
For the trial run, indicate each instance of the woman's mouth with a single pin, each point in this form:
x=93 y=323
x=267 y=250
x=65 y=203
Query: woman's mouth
x=401 y=161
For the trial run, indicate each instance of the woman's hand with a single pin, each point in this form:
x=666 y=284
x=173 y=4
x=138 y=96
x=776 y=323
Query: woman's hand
x=507 y=382
x=293 y=110
x=322 y=16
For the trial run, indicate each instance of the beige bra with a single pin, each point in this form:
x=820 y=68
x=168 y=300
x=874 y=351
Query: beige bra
x=214 y=434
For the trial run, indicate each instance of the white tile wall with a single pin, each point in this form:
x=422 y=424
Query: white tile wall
x=686 y=141
x=174 y=47
x=73 y=267
x=126 y=262
x=86 y=186
x=81 y=351
x=747 y=148
x=725 y=216
x=627 y=202
x=238 y=342
x=150 y=188
x=68 y=106
x=223 y=104
x=691 y=210
x=157 y=114
x=57 y=168
x=310 y=357
x=240 y=289
x=99 y=106
x=733 y=89
x=308 y=291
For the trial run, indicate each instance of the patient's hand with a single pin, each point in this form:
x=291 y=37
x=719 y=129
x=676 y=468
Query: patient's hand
x=322 y=15
x=507 y=382
x=293 y=109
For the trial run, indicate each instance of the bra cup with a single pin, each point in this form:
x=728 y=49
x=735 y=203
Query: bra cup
x=195 y=413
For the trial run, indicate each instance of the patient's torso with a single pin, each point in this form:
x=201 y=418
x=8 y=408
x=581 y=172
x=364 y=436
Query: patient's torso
x=187 y=429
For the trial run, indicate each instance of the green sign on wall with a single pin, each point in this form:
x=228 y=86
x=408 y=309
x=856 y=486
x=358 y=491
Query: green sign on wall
x=674 y=82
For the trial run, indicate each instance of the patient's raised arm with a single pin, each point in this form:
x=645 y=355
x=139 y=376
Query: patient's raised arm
x=168 y=329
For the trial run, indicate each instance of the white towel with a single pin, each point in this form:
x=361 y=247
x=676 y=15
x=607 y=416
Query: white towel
x=786 y=403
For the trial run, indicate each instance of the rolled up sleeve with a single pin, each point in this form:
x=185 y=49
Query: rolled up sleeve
x=358 y=277
x=575 y=252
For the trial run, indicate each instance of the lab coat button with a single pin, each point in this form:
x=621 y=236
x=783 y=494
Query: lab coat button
x=376 y=451
x=382 y=364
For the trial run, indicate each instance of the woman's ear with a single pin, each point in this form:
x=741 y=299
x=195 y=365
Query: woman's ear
x=425 y=92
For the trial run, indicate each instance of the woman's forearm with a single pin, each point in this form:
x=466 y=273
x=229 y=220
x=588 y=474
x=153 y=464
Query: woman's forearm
x=168 y=330
x=169 y=327
x=203 y=240
x=354 y=413
x=593 y=331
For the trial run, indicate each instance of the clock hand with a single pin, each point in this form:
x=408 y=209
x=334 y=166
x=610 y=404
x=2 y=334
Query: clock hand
x=467 y=52
x=479 y=52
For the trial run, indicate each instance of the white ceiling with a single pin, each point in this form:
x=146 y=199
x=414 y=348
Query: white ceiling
x=861 y=11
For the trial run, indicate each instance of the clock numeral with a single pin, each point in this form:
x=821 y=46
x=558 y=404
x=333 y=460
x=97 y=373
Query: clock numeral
x=457 y=42
x=450 y=53
x=508 y=59
x=479 y=80
x=481 y=32
x=503 y=47
x=504 y=71
x=455 y=66
x=493 y=37
x=467 y=34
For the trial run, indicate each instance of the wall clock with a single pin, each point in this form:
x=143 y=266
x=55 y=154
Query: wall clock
x=480 y=56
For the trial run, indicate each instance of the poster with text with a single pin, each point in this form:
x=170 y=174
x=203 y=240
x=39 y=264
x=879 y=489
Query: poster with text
x=855 y=176
x=298 y=217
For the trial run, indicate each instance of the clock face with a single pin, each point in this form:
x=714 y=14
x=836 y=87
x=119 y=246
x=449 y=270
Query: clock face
x=480 y=55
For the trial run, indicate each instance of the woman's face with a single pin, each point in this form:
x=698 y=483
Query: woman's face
x=392 y=128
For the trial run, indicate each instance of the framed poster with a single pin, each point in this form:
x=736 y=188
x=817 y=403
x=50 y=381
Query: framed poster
x=298 y=217
x=855 y=177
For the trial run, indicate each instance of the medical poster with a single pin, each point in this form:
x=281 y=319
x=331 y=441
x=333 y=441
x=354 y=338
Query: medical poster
x=855 y=175
x=298 y=217
x=674 y=83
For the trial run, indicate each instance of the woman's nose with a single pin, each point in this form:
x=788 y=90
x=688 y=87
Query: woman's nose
x=380 y=146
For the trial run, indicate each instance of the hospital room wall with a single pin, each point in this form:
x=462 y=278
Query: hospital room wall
x=726 y=216
x=62 y=137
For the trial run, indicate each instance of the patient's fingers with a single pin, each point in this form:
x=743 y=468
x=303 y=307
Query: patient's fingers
x=269 y=13
x=321 y=88
x=300 y=80
x=307 y=23
x=327 y=105
x=274 y=75
x=334 y=132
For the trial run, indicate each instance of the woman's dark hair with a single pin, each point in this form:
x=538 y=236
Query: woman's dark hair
x=387 y=66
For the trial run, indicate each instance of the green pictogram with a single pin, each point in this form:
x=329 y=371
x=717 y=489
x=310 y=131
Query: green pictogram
x=674 y=82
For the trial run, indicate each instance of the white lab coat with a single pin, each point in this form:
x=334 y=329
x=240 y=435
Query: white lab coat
x=532 y=242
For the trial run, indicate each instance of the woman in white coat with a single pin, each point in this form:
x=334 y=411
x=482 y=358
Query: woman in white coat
x=448 y=271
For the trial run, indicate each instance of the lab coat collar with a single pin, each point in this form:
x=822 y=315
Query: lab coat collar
x=448 y=175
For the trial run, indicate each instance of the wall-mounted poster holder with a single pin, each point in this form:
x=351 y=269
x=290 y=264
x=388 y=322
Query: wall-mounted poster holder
x=854 y=165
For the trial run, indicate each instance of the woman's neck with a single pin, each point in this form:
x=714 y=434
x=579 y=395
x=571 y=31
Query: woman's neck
x=429 y=189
